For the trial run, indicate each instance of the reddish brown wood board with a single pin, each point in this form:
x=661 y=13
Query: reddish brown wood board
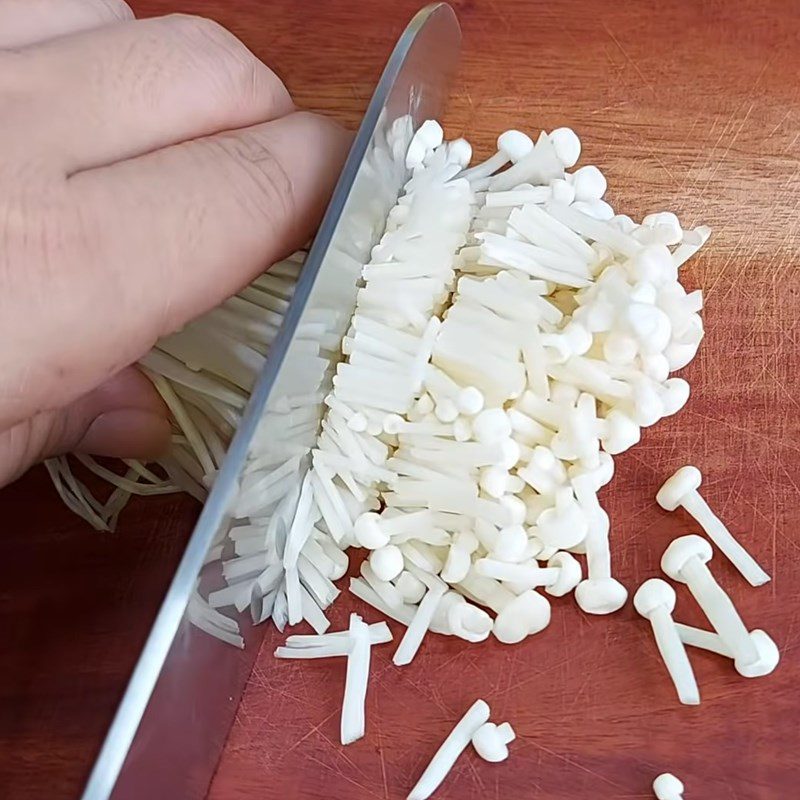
x=690 y=106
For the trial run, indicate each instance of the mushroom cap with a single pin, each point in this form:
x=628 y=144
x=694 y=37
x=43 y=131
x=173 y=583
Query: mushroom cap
x=646 y=407
x=488 y=743
x=410 y=587
x=675 y=395
x=567 y=146
x=358 y=422
x=430 y=133
x=544 y=458
x=367 y=531
x=686 y=479
x=600 y=595
x=650 y=325
x=445 y=618
x=654 y=264
x=459 y=151
x=622 y=433
x=668 y=224
x=569 y=576
x=456 y=565
x=679 y=354
x=491 y=425
x=656 y=366
x=653 y=594
x=563 y=527
x=590 y=184
x=680 y=551
x=667 y=787
x=510 y=544
x=768 y=656
x=469 y=622
x=386 y=562
x=579 y=340
x=470 y=401
x=515 y=144
x=449 y=600
x=523 y=616
x=446 y=410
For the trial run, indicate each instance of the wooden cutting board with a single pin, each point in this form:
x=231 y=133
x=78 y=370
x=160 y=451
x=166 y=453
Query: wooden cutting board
x=687 y=106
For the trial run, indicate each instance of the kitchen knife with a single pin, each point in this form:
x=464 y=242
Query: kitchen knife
x=172 y=722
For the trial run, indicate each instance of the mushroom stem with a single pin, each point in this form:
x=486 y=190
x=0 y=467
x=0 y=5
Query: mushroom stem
x=674 y=655
x=450 y=749
x=719 y=609
x=704 y=640
x=696 y=505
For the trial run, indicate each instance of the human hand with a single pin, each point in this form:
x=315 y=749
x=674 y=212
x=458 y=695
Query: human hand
x=148 y=170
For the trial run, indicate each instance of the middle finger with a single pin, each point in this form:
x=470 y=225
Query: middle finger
x=95 y=98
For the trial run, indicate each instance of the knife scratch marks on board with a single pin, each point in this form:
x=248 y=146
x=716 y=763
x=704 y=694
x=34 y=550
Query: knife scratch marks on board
x=725 y=423
x=311 y=732
x=367 y=790
x=767 y=62
x=778 y=126
x=477 y=780
x=500 y=15
x=572 y=762
x=339 y=751
x=383 y=763
x=770 y=482
x=426 y=689
x=533 y=678
x=628 y=58
x=741 y=242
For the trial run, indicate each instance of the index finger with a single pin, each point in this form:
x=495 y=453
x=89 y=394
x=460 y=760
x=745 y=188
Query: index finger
x=167 y=236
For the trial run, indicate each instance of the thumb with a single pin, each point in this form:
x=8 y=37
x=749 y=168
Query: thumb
x=123 y=418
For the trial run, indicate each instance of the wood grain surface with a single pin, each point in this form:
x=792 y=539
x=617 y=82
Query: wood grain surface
x=689 y=106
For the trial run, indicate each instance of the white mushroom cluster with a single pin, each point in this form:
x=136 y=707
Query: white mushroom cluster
x=511 y=335
x=553 y=352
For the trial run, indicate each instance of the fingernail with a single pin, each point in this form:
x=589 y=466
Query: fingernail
x=126 y=433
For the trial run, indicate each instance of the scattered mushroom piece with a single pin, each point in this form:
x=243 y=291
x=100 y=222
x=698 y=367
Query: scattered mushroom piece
x=667 y=787
x=491 y=741
x=681 y=490
x=685 y=561
x=655 y=601
x=449 y=751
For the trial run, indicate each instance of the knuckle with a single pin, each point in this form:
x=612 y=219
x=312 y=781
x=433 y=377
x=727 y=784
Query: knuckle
x=262 y=185
x=199 y=31
x=208 y=39
x=224 y=62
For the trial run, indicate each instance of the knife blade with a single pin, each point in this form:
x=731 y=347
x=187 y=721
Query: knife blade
x=172 y=722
